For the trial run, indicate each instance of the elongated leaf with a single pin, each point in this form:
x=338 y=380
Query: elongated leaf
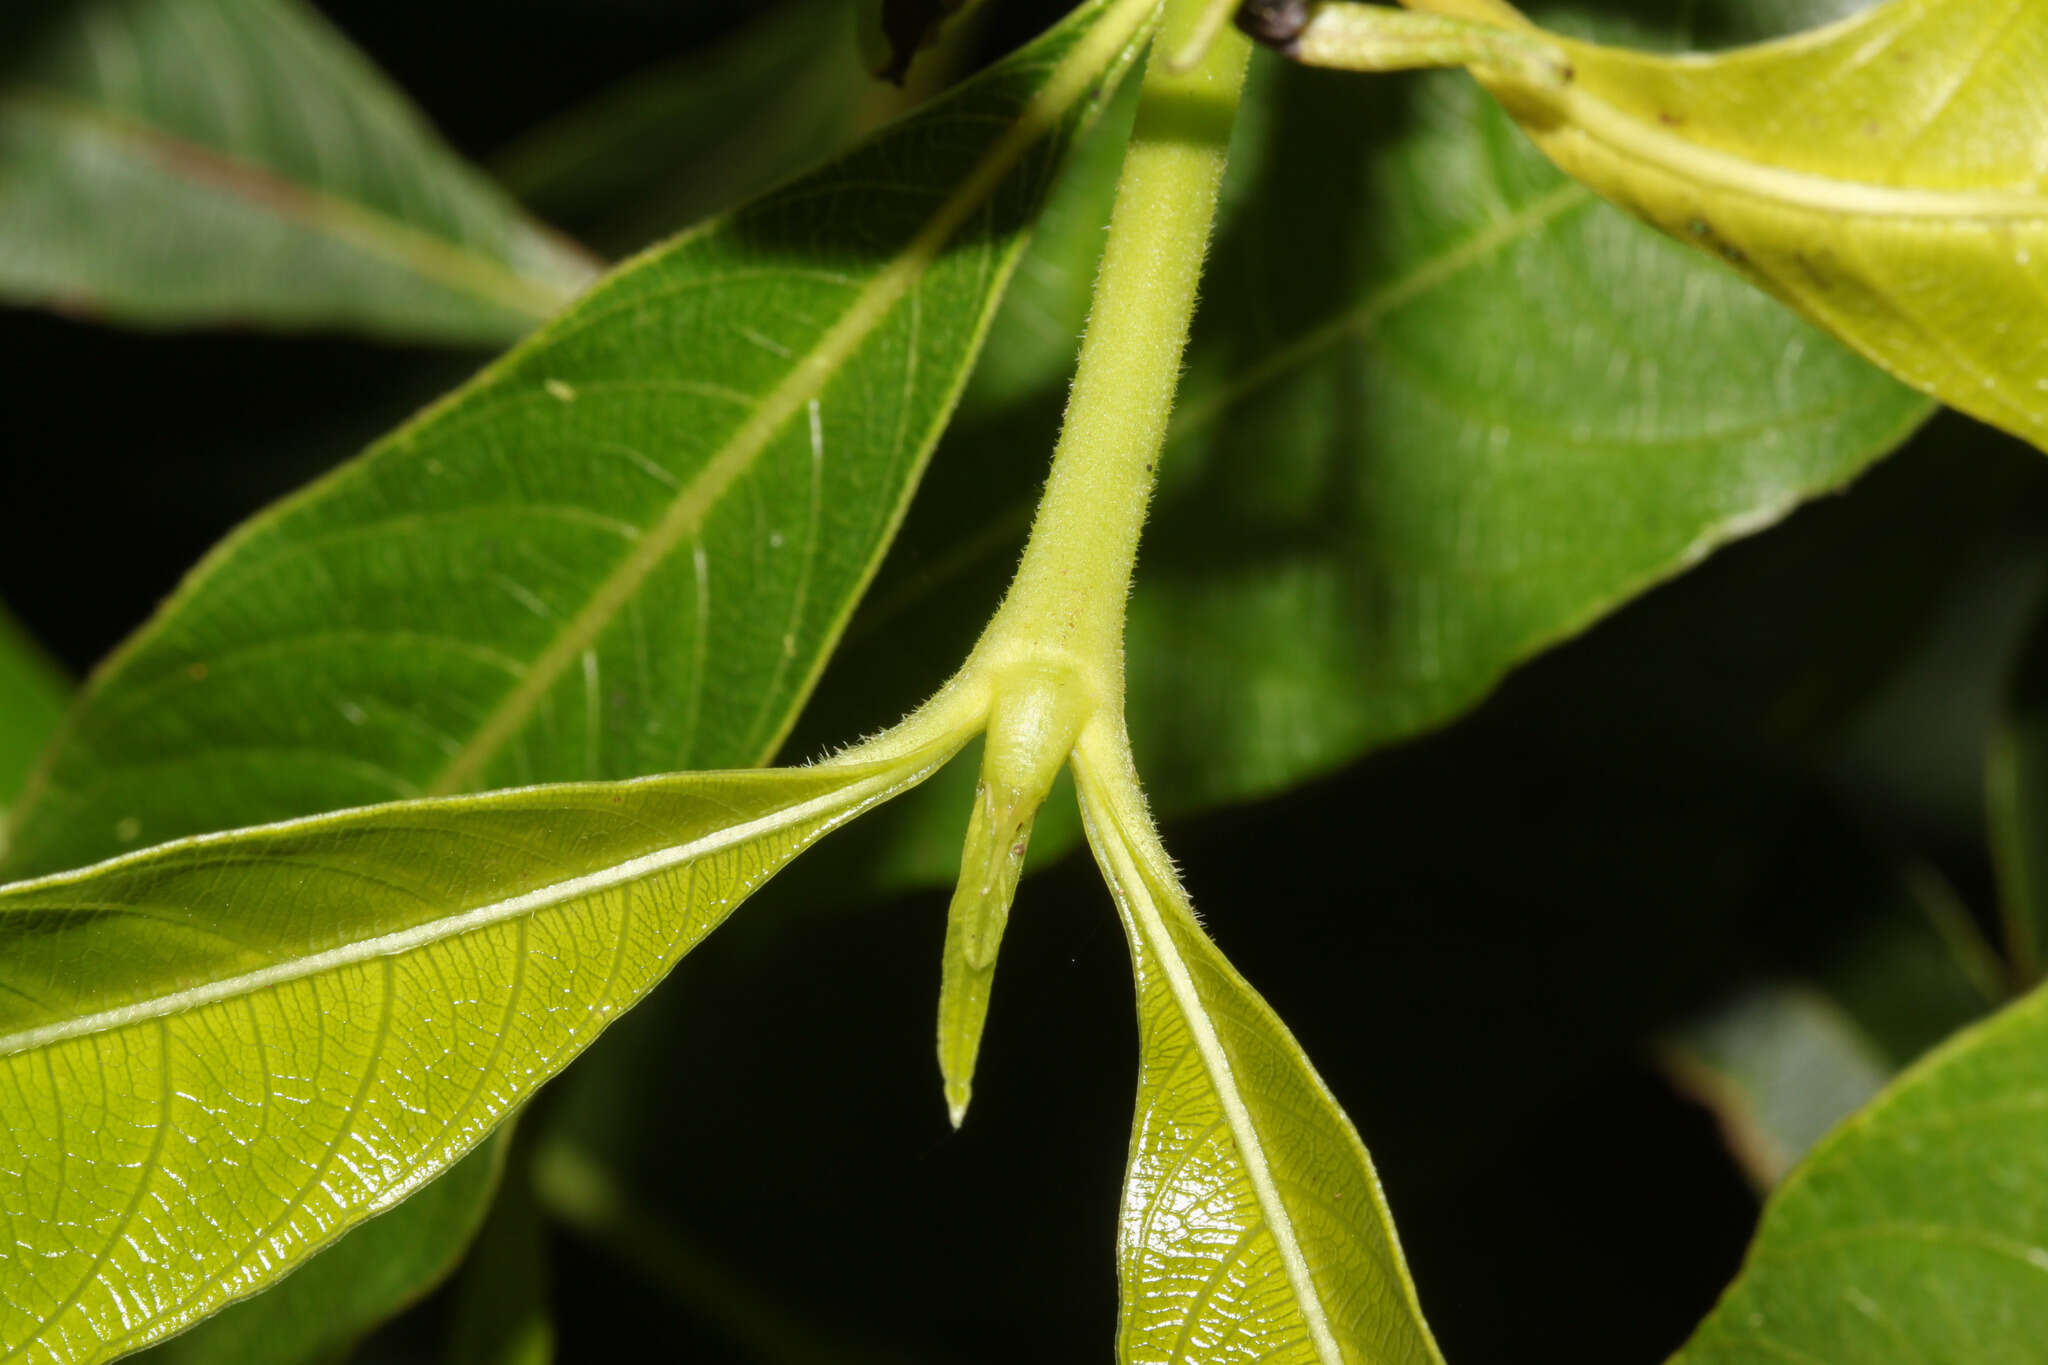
x=1443 y=410
x=626 y=547
x=377 y=1268
x=698 y=133
x=1882 y=175
x=171 y=162
x=1253 y=1225
x=285 y=1030
x=1918 y=1231
x=31 y=703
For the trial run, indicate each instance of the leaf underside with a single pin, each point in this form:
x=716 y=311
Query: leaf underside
x=360 y=1000
x=1253 y=1224
x=1882 y=175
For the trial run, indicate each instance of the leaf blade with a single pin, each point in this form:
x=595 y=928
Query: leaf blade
x=315 y=1017
x=282 y=180
x=1253 y=1223
x=525 y=583
x=1876 y=175
x=1889 y=1245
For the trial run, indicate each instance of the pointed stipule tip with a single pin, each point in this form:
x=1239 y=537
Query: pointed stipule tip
x=956 y=1110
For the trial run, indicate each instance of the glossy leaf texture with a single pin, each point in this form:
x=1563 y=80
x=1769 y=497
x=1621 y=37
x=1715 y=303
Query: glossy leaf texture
x=1253 y=1224
x=376 y=1269
x=32 y=697
x=623 y=549
x=1443 y=410
x=180 y=162
x=288 y=1029
x=1883 y=175
x=1918 y=1230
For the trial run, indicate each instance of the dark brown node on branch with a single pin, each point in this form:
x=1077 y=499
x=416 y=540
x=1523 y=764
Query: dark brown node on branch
x=1277 y=23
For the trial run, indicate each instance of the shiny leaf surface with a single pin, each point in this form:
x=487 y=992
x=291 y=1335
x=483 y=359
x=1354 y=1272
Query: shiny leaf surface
x=1883 y=175
x=625 y=548
x=178 y=162
x=1918 y=1230
x=1253 y=1224
x=291 y=1028
x=374 y=1270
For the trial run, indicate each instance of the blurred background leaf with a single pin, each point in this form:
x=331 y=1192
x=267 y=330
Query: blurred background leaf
x=180 y=162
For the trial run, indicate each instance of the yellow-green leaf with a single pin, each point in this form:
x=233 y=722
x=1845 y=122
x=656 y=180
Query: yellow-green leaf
x=218 y=1055
x=1882 y=175
x=1253 y=1224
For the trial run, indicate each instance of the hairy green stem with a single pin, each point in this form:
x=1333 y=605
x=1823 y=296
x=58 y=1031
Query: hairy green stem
x=1050 y=664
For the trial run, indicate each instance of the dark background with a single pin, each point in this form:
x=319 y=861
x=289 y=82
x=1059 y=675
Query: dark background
x=1476 y=936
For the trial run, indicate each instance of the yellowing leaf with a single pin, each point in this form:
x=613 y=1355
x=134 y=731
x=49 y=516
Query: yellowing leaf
x=1253 y=1224
x=218 y=1055
x=1884 y=175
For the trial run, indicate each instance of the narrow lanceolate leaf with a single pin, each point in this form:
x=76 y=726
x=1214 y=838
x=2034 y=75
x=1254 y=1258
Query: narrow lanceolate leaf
x=1918 y=1231
x=217 y=1055
x=176 y=162
x=1253 y=1225
x=627 y=547
x=1882 y=175
x=31 y=703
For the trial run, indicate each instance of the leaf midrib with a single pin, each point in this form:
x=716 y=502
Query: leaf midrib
x=1134 y=889
x=1071 y=81
x=417 y=251
x=1631 y=139
x=855 y=792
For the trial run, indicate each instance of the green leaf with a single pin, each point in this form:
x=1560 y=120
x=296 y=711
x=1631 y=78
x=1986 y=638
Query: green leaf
x=1253 y=1225
x=31 y=704
x=501 y=1312
x=1879 y=175
x=1918 y=1231
x=178 y=162
x=376 y=1269
x=2016 y=772
x=699 y=132
x=288 y=1029
x=625 y=548
x=1443 y=410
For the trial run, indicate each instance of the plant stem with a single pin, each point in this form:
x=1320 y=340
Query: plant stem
x=1067 y=601
x=1050 y=664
